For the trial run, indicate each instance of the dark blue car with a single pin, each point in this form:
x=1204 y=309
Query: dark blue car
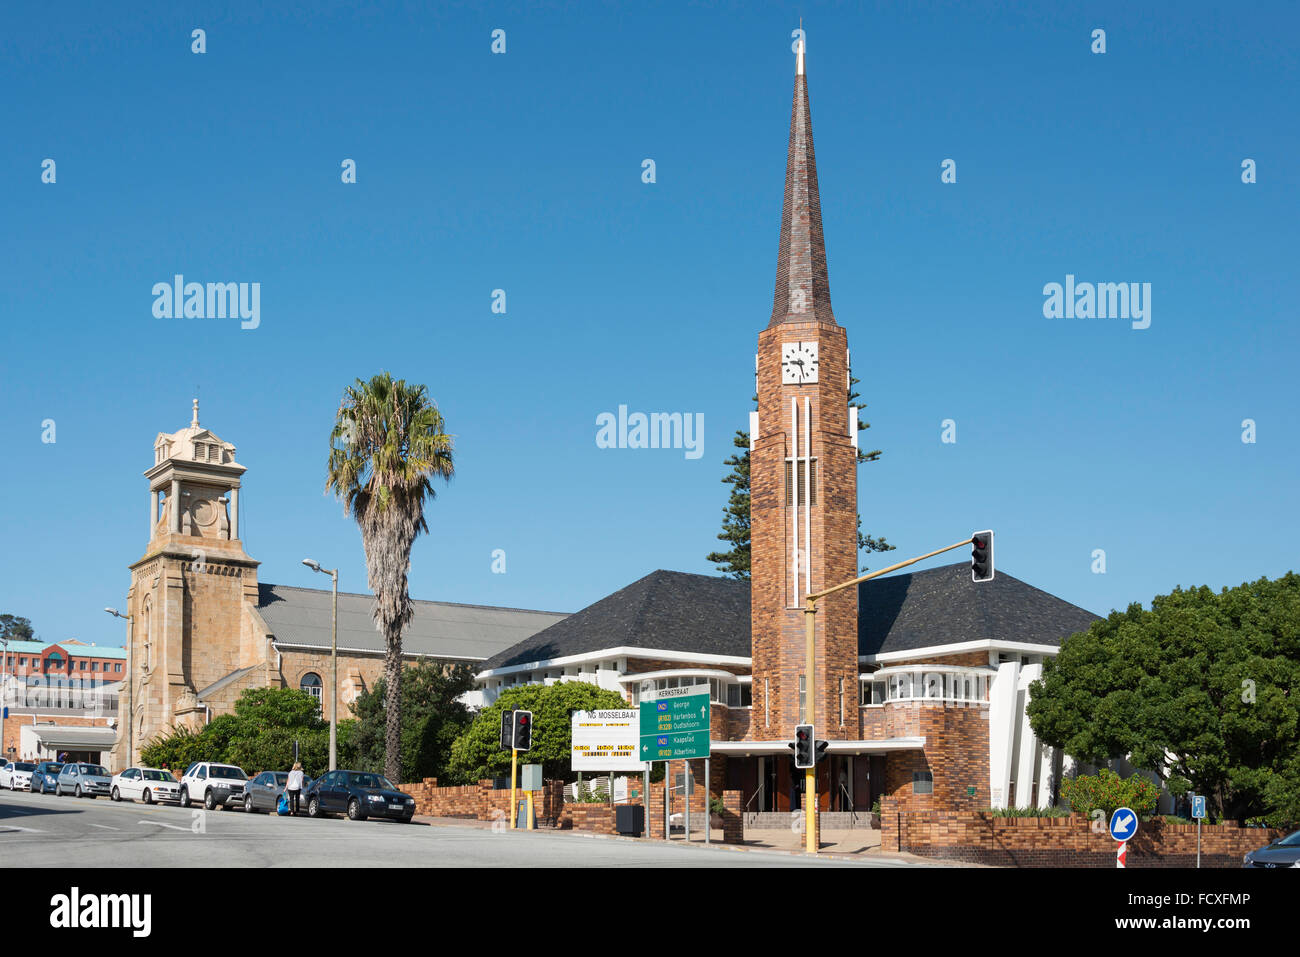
x=359 y=795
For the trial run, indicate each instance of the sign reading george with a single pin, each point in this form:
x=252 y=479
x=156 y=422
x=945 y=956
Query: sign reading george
x=674 y=722
x=605 y=741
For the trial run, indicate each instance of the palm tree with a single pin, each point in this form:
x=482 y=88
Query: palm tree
x=387 y=442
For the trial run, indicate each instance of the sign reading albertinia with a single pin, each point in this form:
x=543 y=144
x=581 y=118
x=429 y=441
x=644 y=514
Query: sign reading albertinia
x=674 y=722
x=605 y=741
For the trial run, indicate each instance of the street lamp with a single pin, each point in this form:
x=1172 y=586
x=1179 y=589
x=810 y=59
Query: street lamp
x=130 y=686
x=334 y=657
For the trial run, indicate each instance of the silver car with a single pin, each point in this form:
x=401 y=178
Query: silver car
x=1284 y=852
x=83 y=780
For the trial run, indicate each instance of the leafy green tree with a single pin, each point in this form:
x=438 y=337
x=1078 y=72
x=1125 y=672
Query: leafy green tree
x=433 y=717
x=477 y=753
x=258 y=736
x=14 y=628
x=1202 y=687
x=735 y=560
x=388 y=441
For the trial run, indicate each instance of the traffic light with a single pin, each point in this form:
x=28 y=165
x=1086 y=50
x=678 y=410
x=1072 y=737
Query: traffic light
x=507 y=729
x=523 y=737
x=804 y=746
x=981 y=557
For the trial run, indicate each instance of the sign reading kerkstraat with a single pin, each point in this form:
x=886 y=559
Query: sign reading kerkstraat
x=674 y=722
x=605 y=741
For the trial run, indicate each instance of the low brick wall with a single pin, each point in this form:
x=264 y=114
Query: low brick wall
x=980 y=838
x=481 y=802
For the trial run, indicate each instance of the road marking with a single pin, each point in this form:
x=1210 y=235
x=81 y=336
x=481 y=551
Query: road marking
x=161 y=824
x=7 y=828
x=106 y=827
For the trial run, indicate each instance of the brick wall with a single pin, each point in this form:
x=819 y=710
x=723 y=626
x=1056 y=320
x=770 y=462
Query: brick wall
x=981 y=838
x=481 y=802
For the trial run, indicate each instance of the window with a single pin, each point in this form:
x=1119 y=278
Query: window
x=803 y=480
x=740 y=696
x=310 y=683
x=82 y=664
x=22 y=662
x=922 y=782
x=117 y=666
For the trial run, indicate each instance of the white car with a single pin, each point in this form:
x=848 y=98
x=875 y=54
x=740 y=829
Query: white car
x=17 y=775
x=145 y=784
x=216 y=785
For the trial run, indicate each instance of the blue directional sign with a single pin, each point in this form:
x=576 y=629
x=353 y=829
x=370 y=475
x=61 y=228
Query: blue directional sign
x=1198 y=806
x=1123 y=824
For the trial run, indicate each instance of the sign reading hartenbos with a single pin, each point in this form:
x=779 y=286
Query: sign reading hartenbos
x=674 y=722
x=605 y=741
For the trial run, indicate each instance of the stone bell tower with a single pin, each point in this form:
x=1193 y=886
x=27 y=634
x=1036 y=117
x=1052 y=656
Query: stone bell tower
x=803 y=473
x=188 y=591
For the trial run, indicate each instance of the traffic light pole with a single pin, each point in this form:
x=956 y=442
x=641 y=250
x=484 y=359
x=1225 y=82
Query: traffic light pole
x=810 y=618
x=514 y=808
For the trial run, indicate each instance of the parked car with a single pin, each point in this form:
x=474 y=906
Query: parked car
x=83 y=780
x=44 y=777
x=146 y=784
x=359 y=795
x=263 y=792
x=219 y=784
x=17 y=774
x=1284 y=852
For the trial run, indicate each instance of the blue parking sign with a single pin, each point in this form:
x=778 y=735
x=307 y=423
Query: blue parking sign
x=1198 y=806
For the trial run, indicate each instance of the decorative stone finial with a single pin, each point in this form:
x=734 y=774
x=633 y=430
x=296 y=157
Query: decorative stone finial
x=194 y=423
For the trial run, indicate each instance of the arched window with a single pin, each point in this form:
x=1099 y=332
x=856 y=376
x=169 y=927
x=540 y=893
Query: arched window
x=310 y=683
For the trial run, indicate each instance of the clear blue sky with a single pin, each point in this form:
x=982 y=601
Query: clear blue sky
x=522 y=171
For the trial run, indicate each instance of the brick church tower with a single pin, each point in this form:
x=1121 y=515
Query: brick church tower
x=803 y=473
x=188 y=590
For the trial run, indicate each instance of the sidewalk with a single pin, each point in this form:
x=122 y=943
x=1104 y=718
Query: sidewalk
x=849 y=844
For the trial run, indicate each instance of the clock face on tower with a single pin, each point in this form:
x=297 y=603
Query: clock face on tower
x=798 y=362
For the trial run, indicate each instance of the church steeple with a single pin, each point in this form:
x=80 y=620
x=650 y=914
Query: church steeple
x=802 y=288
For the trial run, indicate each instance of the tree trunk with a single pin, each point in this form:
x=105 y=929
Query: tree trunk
x=393 y=709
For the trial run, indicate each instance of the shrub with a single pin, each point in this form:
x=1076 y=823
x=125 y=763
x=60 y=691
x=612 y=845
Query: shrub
x=1107 y=791
x=1028 y=811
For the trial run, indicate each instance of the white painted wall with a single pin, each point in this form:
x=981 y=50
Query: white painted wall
x=1023 y=772
x=1002 y=731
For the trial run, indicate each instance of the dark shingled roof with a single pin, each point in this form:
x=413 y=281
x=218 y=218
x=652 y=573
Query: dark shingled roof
x=942 y=606
x=939 y=606
x=661 y=611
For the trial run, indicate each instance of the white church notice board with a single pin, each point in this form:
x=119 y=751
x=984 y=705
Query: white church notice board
x=606 y=740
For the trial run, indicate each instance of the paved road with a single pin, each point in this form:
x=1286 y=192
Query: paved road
x=47 y=830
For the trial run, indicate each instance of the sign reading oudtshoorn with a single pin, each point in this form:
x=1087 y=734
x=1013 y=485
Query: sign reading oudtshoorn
x=605 y=741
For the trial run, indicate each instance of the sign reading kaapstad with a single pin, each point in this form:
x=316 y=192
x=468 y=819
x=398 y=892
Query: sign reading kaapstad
x=605 y=741
x=674 y=722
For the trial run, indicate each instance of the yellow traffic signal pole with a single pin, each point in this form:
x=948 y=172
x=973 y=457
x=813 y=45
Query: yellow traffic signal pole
x=809 y=618
x=514 y=808
x=530 y=809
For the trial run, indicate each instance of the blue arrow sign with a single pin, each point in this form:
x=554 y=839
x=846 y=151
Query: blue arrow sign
x=1123 y=824
x=1198 y=806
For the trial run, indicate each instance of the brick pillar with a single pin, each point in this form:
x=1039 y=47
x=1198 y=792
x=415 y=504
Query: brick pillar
x=733 y=821
x=890 y=824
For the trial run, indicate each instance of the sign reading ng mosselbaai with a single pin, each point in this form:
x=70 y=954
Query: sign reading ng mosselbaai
x=605 y=741
x=674 y=722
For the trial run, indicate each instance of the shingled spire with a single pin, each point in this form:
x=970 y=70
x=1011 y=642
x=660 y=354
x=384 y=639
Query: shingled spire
x=802 y=290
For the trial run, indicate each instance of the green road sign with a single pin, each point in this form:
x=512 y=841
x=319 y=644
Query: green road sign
x=674 y=723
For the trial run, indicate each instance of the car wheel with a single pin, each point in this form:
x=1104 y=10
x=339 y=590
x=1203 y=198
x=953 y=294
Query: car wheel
x=354 y=811
x=78 y=793
x=148 y=798
x=313 y=807
x=116 y=795
x=209 y=801
x=185 y=797
x=58 y=789
x=248 y=804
